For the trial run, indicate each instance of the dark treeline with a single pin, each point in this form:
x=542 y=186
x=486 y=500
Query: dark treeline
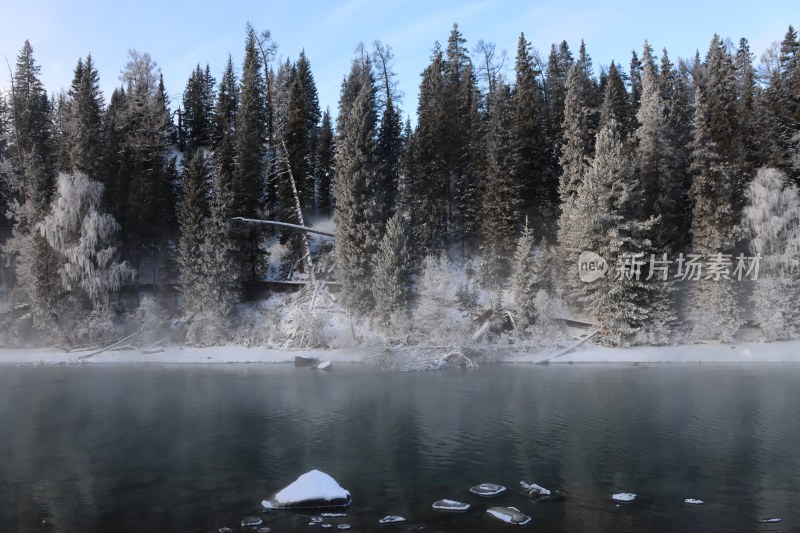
x=658 y=157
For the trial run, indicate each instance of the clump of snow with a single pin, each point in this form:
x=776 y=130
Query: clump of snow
x=391 y=519
x=313 y=485
x=623 y=497
x=692 y=501
x=534 y=490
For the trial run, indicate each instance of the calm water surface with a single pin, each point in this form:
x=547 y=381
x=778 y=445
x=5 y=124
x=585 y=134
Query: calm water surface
x=195 y=448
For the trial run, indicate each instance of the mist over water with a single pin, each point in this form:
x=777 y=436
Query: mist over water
x=195 y=448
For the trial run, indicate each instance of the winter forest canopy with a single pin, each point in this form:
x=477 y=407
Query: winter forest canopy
x=137 y=213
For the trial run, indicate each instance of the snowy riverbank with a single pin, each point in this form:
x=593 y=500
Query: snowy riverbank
x=747 y=352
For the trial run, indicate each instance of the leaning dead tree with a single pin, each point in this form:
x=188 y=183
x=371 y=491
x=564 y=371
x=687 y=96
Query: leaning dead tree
x=301 y=226
x=297 y=227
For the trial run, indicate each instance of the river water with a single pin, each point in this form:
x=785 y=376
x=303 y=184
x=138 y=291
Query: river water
x=196 y=448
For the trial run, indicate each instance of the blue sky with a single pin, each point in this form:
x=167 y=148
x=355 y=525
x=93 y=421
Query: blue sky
x=180 y=34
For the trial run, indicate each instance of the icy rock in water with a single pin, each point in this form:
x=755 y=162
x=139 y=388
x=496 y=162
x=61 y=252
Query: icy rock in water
x=623 y=497
x=299 y=360
x=487 y=490
x=344 y=526
x=326 y=525
x=509 y=515
x=770 y=520
x=325 y=365
x=312 y=490
x=692 y=501
x=316 y=519
x=532 y=489
x=264 y=530
x=252 y=521
x=451 y=506
x=391 y=519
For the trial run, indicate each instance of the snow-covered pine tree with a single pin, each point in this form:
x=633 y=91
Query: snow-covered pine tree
x=501 y=198
x=635 y=77
x=84 y=117
x=82 y=238
x=192 y=217
x=531 y=157
x=29 y=180
x=772 y=223
x=148 y=206
x=390 y=134
x=525 y=282
x=223 y=130
x=658 y=170
x=251 y=137
x=356 y=239
x=610 y=199
x=712 y=310
x=555 y=91
x=674 y=88
x=616 y=101
x=393 y=268
x=429 y=184
x=576 y=156
x=783 y=95
x=301 y=136
x=198 y=109
x=326 y=164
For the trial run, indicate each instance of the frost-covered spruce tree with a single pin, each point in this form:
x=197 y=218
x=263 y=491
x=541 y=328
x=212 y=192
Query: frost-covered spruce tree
x=657 y=168
x=220 y=275
x=531 y=157
x=251 y=137
x=500 y=209
x=355 y=175
x=712 y=309
x=326 y=164
x=198 y=109
x=82 y=238
x=525 y=280
x=85 y=139
x=579 y=125
x=393 y=269
x=429 y=184
x=192 y=217
x=609 y=199
x=772 y=222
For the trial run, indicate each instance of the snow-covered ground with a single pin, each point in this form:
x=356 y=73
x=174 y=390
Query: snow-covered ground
x=747 y=352
x=180 y=355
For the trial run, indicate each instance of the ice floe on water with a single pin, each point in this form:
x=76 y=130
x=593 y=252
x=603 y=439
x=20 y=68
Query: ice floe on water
x=487 y=490
x=509 y=515
x=623 y=497
x=391 y=519
x=772 y=520
x=693 y=501
x=252 y=521
x=451 y=506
